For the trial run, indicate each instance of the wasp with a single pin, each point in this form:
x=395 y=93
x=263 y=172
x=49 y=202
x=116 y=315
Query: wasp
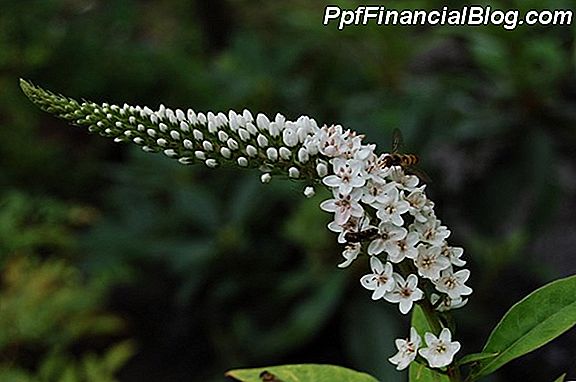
x=408 y=162
x=266 y=376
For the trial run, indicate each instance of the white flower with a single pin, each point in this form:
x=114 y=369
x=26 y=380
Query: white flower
x=405 y=292
x=350 y=253
x=331 y=140
x=407 y=350
x=387 y=233
x=406 y=182
x=347 y=175
x=453 y=283
x=440 y=350
x=429 y=262
x=380 y=281
x=444 y=303
x=453 y=254
x=391 y=208
x=400 y=249
x=432 y=232
x=344 y=206
x=374 y=169
x=417 y=200
x=374 y=188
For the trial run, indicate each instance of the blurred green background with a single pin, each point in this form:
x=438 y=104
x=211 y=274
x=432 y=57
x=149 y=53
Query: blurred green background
x=123 y=266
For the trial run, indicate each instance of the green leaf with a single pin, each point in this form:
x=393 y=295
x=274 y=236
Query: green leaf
x=475 y=357
x=537 y=319
x=301 y=373
x=560 y=378
x=419 y=372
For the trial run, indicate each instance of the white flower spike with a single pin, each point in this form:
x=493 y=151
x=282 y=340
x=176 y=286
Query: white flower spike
x=378 y=209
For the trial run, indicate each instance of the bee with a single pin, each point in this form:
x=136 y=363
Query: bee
x=408 y=162
x=266 y=376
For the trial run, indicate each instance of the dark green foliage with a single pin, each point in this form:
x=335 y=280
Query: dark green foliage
x=211 y=270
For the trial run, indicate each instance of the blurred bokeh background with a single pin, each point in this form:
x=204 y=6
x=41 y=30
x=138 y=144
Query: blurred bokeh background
x=121 y=266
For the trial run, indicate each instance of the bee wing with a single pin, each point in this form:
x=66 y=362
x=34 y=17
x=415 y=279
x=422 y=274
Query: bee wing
x=420 y=174
x=397 y=140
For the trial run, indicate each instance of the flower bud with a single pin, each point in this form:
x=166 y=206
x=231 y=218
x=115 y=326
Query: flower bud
x=188 y=144
x=207 y=146
x=197 y=134
x=265 y=178
x=225 y=152
x=251 y=151
x=321 y=170
x=284 y=153
x=242 y=161
x=272 y=154
x=211 y=162
x=293 y=172
x=262 y=122
x=232 y=144
x=262 y=140
x=303 y=155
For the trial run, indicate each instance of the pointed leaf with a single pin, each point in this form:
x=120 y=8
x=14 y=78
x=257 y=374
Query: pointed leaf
x=561 y=378
x=475 y=357
x=300 y=373
x=537 y=319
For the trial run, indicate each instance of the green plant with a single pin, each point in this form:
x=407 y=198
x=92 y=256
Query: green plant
x=48 y=310
x=379 y=209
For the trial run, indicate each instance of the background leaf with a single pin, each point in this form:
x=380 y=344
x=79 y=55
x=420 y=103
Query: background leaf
x=537 y=319
x=302 y=373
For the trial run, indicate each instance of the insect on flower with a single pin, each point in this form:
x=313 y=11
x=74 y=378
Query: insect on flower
x=266 y=376
x=408 y=162
x=361 y=235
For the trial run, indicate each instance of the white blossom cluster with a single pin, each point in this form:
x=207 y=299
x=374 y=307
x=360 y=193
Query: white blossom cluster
x=379 y=209
x=388 y=215
x=408 y=246
x=439 y=352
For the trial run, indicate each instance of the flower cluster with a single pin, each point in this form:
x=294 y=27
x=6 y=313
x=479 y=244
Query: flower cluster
x=439 y=353
x=378 y=208
x=384 y=212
